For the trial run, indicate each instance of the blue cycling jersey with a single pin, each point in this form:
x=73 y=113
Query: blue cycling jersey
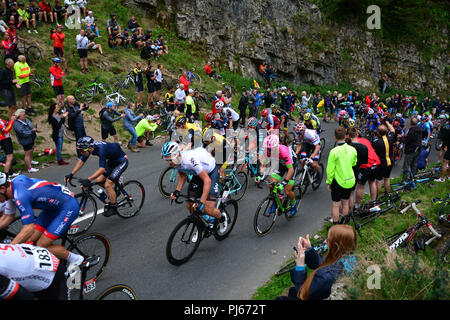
x=373 y=122
x=107 y=152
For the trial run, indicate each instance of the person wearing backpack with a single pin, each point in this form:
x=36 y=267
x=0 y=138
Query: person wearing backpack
x=107 y=118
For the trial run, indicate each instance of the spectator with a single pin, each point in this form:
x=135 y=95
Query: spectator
x=305 y=100
x=139 y=82
x=82 y=47
x=165 y=49
x=56 y=118
x=10 y=47
x=90 y=24
x=13 y=15
x=114 y=40
x=158 y=81
x=243 y=103
x=23 y=73
x=26 y=134
x=125 y=38
x=35 y=13
x=147 y=36
x=209 y=72
x=70 y=5
x=129 y=121
x=445 y=136
x=422 y=160
x=107 y=118
x=133 y=25
x=413 y=143
x=436 y=106
x=383 y=83
x=58 y=44
x=112 y=24
x=7 y=83
x=169 y=99
x=383 y=147
x=56 y=76
x=341 y=242
x=75 y=120
x=362 y=156
x=151 y=85
x=143 y=129
x=184 y=80
x=46 y=11
x=6 y=142
x=147 y=51
x=218 y=97
x=59 y=12
x=92 y=45
x=190 y=109
x=3 y=26
x=340 y=175
x=82 y=5
x=136 y=40
x=317 y=98
x=24 y=17
x=180 y=97
x=268 y=100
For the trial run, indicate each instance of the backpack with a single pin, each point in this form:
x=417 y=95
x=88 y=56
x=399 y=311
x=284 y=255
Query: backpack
x=101 y=112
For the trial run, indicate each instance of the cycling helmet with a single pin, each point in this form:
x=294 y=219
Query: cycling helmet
x=3 y=179
x=180 y=120
x=85 y=142
x=351 y=123
x=342 y=112
x=300 y=128
x=273 y=106
x=252 y=122
x=110 y=104
x=149 y=118
x=270 y=142
x=56 y=59
x=308 y=110
x=155 y=117
x=170 y=149
x=307 y=116
x=264 y=112
x=207 y=134
x=209 y=117
x=219 y=105
x=370 y=111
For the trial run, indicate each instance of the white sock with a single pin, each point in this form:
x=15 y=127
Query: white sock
x=74 y=258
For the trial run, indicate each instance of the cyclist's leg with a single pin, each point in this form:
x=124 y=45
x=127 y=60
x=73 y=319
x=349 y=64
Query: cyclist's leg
x=113 y=178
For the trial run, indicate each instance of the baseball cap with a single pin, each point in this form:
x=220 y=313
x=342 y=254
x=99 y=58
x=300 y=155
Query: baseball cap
x=190 y=90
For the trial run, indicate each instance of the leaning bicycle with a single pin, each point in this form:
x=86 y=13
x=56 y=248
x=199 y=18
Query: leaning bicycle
x=89 y=92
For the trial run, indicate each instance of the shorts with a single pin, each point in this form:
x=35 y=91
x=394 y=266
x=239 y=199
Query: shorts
x=28 y=147
x=7 y=146
x=367 y=174
x=281 y=172
x=307 y=150
x=157 y=86
x=25 y=89
x=83 y=53
x=383 y=172
x=195 y=188
x=58 y=52
x=55 y=224
x=108 y=132
x=9 y=97
x=338 y=193
x=139 y=87
x=151 y=87
x=113 y=171
x=58 y=90
x=447 y=154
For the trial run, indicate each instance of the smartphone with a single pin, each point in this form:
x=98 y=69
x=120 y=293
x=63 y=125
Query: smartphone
x=295 y=249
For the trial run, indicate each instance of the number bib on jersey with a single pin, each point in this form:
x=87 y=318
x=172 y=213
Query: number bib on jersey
x=44 y=260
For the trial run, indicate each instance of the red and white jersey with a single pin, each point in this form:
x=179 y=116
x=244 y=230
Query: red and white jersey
x=31 y=267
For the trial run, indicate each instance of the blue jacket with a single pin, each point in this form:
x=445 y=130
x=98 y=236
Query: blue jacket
x=24 y=131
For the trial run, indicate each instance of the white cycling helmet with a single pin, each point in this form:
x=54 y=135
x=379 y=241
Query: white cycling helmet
x=370 y=111
x=3 y=179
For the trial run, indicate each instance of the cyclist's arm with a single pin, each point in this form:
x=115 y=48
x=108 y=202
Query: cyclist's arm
x=289 y=173
x=316 y=151
x=11 y=290
x=97 y=174
x=181 y=180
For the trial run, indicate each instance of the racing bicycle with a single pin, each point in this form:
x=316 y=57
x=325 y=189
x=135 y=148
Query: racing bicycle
x=308 y=175
x=122 y=82
x=187 y=235
x=116 y=97
x=89 y=92
x=191 y=75
x=69 y=134
x=32 y=53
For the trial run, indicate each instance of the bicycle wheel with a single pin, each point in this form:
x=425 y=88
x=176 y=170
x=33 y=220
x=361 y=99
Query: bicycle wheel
x=322 y=147
x=69 y=134
x=116 y=84
x=93 y=244
x=317 y=178
x=265 y=216
x=198 y=78
x=118 y=292
x=183 y=241
x=168 y=181
x=130 y=199
x=84 y=95
x=33 y=55
x=285 y=268
x=230 y=208
x=86 y=215
x=241 y=187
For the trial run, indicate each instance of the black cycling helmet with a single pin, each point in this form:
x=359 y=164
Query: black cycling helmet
x=181 y=120
x=85 y=142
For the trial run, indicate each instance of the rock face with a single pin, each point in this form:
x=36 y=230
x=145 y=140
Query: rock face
x=290 y=35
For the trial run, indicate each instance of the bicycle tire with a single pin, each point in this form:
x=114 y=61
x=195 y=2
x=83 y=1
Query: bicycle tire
x=199 y=79
x=444 y=211
x=230 y=208
x=98 y=246
x=239 y=194
x=130 y=198
x=260 y=213
x=445 y=253
x=86 y=215
x=69 y=134
x=123 y=290
x=33 y=55
x=322 y=147
x=84 y=95
x=316 y=184
x=191 y=235
x=164 y=188
x=304 y=185
x=285 y=268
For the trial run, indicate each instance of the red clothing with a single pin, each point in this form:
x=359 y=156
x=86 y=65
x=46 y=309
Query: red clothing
x=58 y=39
x=56 y=76
x=45 y=7
x=5 y=128
x=186 y=82
x=214 y=110
x=9 y=46
x=374 y=160
x=12 y=33
x=208 y=69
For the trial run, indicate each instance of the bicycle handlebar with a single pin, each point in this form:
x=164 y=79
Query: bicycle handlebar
x=409 y=206
x=424 y=219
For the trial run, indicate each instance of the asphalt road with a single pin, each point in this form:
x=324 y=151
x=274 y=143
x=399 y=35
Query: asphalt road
x=230 y=269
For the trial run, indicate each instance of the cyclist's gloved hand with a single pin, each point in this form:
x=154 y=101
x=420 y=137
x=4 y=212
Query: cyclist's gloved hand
x=282 y=184
x=85 y=182
x=199 y=206
x=258 y=179
x=69 y=177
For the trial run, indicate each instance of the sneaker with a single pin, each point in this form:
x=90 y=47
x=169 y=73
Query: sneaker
x=223 y=223
x=273 y=208
x=35 y=31
x=31 y=170
x=109 y=210
x=440 y=180
x=34 y=162
x=62 y=162
x=293 y=208
x=29 y=31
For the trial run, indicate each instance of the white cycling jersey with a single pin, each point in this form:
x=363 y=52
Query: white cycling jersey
x=311 y=137
x=8 y=207
x=31 y=267
x=195 y=160
x=234 y=114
